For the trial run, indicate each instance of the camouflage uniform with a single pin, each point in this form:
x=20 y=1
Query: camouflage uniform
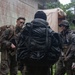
x=13 y=59
x=16 y=65
x=8 y=58
x=21 y=65
x=64 y=63
x=5 y=50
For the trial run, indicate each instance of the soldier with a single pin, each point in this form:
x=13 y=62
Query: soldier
x=13 y=66
x=6 y=47
x=31 y=47
x=9 y=44
x=64 y=64
x=19 y=25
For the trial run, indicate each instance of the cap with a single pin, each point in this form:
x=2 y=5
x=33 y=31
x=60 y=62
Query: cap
x=64 y=23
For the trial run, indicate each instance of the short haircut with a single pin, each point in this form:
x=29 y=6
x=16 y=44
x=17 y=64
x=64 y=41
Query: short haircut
x=21 y=18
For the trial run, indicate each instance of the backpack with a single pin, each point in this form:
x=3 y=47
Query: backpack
x=2 y=29
x=37 y=44
x=2 y=32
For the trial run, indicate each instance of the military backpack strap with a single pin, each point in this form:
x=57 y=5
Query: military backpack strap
x=47 y=39
x=69 y=49
x=30 y=37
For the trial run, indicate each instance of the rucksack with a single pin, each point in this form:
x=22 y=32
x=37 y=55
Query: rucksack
x=37 y=44
x=3 y=29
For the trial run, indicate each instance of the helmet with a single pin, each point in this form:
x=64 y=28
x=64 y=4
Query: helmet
x=64 y=23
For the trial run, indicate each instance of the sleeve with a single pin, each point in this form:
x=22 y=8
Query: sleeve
x=56 y=45
x=57 y=40
x=72 y=49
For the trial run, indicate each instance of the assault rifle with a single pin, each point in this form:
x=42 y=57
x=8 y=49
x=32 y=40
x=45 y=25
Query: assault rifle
x=65 y=55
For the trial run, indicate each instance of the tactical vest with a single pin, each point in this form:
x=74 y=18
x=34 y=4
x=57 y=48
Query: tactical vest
x=2 y=29
x=66 y=41
x=65 y=45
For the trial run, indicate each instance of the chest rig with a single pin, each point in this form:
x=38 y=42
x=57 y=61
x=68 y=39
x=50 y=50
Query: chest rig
x=66 y=42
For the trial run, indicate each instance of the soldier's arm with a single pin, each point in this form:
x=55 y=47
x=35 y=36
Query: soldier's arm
x=72 y=51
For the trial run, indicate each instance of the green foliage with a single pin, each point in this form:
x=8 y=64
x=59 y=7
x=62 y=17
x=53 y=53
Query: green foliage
x=19 y=73
x=72 y=27
x=53 y=5
x=70 y=16
x=58 y=4
x=67 y=8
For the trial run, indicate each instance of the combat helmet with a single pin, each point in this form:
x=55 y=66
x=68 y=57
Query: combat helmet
x=64 y=23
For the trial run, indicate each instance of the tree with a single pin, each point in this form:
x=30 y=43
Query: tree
x=58 y=4
x=53 y=5
x=67 y=8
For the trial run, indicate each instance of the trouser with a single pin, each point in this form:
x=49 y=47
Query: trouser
x=8 y=63
x=73 y=72
x=13 y=65
x=4 y=68
x=32 y=70
x=21 y=67
x=62 y=68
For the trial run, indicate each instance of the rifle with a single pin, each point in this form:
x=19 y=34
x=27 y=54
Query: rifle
x=68 y=51
x=65 y=55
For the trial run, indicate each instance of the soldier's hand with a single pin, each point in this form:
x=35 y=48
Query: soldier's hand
x=73 y=65
x=13 y=46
